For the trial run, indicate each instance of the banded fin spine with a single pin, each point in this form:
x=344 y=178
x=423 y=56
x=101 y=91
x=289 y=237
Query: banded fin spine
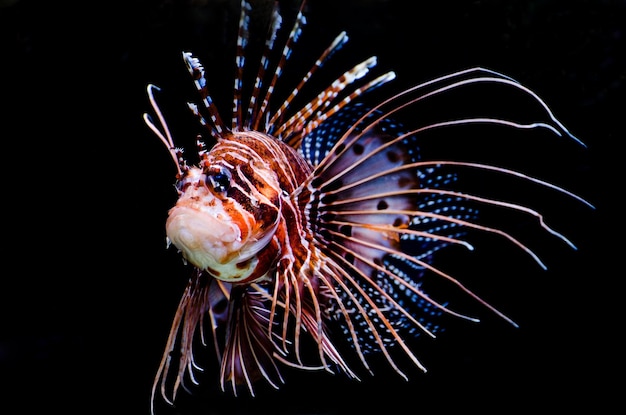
x=253 y=109
x=240 y=60
x=286 y=53
x=196 y=70
x=294 y=138
x=339 y=41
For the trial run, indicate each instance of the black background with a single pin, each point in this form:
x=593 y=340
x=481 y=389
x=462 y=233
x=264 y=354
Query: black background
x=88 y=289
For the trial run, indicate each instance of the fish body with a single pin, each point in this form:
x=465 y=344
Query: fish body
x=296 y=220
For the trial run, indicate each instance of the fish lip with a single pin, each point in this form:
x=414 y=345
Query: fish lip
x=204 y=240
x=209 y=242
x=215 y=245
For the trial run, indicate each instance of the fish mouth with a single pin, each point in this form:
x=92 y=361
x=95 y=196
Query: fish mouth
x=206 y=240
x=213 y=242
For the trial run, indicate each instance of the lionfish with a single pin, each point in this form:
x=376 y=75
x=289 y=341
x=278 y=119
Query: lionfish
x=306 y=224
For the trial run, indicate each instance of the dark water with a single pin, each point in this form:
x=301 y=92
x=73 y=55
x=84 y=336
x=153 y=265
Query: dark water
x=88 y=290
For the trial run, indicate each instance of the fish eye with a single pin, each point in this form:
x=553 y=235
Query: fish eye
x=219 y=181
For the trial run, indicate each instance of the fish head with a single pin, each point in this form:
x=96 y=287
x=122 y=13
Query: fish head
x=226 y=216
